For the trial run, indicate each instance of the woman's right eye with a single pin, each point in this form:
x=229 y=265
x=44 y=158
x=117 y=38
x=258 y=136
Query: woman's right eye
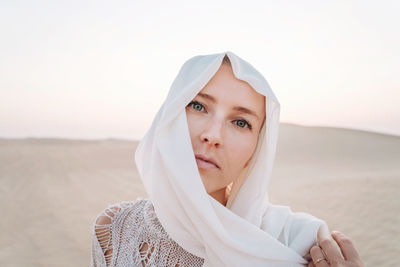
x=196 y=105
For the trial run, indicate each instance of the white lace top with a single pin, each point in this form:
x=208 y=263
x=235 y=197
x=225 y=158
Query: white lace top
x=129 y=234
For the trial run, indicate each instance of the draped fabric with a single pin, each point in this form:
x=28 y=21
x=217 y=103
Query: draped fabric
x=248 y=231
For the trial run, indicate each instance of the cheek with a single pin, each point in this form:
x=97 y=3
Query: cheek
x=196 y=125
x=240 y=151
x=193 y=126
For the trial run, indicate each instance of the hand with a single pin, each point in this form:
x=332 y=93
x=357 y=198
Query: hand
x=326 y=253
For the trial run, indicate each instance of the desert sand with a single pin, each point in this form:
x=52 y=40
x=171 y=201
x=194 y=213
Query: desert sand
x=51 y=190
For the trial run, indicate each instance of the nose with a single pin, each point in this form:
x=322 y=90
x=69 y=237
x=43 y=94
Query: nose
x=212 y=133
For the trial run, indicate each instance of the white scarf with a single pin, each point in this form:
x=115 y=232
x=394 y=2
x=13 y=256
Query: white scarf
x=249 y=231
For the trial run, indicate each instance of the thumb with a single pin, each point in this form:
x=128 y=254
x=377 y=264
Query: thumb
x=323 y=233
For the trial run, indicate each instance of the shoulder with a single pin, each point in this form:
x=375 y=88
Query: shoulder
x=112 y=211
x=110 y=218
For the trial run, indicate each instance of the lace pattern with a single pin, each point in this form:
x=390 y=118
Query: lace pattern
x=130 y=234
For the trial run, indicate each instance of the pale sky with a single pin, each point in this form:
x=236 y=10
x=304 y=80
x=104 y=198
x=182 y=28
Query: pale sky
x=101 y=69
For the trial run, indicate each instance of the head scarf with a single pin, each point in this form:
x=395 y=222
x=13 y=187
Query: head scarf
x=248 y=231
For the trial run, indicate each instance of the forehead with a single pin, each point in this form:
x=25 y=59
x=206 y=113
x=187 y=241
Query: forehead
x=225 y=87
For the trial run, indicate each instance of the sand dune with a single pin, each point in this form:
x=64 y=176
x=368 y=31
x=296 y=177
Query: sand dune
x=52 y=189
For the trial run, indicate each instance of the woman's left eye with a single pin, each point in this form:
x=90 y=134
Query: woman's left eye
x=242 y=123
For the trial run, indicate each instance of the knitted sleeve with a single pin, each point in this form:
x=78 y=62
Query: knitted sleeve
x=102 y=232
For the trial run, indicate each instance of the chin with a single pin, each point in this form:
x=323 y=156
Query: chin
x=213 y=188
x=213 y=183
x=209 y=185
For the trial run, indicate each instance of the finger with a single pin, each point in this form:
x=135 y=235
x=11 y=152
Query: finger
x=307 y=257
x=309 y=260
x=318 y=258
x=323 y=232
x=346 y=246
x=329 y=248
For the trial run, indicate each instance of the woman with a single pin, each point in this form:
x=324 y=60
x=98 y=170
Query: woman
x=205 y=164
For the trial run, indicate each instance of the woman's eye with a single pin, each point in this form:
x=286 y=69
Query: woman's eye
x=196 y=105
x=242 y=123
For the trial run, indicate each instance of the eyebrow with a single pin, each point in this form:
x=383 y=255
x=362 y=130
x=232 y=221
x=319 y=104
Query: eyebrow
x=211 y=98
x=237 y=108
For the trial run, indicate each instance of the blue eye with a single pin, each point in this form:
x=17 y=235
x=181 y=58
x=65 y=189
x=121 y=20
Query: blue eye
x=196 y=105
x=242 y=123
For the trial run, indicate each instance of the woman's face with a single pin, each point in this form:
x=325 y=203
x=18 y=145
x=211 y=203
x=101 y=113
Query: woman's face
x=224 y=122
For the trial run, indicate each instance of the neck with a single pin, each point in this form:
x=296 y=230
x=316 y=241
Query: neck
x=220 y=196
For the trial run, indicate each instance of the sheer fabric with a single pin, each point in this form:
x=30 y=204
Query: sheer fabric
x=249 y=230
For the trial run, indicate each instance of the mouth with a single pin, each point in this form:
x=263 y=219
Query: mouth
x=206 y=162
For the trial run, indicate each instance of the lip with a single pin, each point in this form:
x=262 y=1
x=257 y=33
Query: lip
x=206 y=161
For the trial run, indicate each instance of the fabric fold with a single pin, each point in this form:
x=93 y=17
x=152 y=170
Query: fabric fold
x=249 y=231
